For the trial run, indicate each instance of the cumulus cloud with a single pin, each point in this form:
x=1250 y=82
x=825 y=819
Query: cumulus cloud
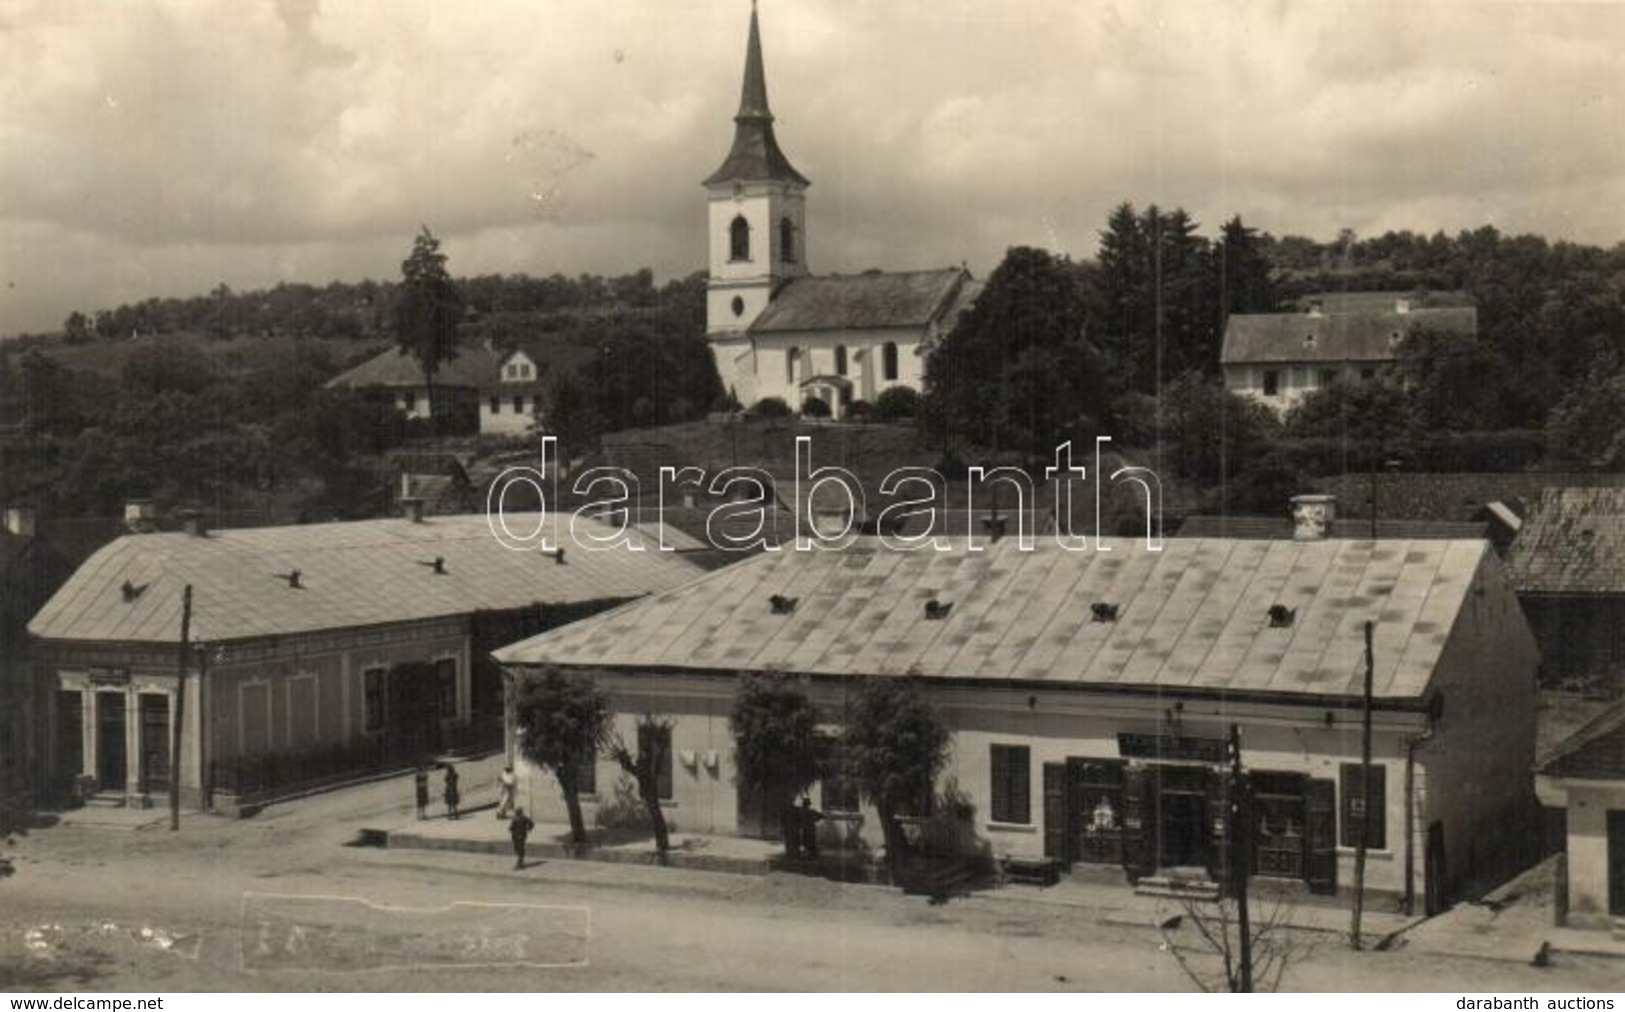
x=177 y=143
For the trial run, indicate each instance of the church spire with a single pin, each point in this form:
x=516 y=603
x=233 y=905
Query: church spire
x=755 y=156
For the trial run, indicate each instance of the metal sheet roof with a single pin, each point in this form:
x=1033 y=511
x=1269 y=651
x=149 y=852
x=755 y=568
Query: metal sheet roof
x=872 y=301
x=1334 y=337
x=363 y=573
x=1572 y=542
x=1195 y=615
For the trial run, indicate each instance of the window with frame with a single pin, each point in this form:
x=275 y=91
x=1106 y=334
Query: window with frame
x=496 y=405
x=888 y=360
x=739 y=239
x=792 y=361
x=409 y=400
x=840 y=360
x=1278 y=807
x=1354 y=807
x=372 y=698
x=657 y=741
x=787 y=240
x=838 y=788
x=1328 y=377
x=587 y=774
x=519 y=404
x=1272 y=383
x=1012 y=783
x=445 y=684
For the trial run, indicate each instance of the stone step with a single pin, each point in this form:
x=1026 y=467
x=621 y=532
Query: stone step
x=1178 y=887
x=105 y=799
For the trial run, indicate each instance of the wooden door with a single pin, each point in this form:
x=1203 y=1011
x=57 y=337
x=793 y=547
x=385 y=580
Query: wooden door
x=110 y=741
x=1057 y=814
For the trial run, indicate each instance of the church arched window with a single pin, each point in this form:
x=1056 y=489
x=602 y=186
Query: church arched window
x=792 y=362
x=787 y=240
x=739 y=239
x=888 y=361
x=840 y=360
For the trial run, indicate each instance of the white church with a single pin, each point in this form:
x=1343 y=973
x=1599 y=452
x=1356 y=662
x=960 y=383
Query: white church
x=778 y=330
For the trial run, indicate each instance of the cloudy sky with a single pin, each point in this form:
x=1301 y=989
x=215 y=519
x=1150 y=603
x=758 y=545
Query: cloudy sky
x=159 y=148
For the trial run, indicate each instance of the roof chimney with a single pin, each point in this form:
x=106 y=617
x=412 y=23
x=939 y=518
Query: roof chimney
x=1317 y=307
x=193 y=524
x=20 y=521
x=412 y=508
x=1313 y=516
x=140 y=516
x=1402 y=306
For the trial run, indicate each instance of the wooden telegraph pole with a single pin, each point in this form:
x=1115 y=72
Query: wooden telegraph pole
x=1240 y=854
x=175 y=730
x=1364 y=836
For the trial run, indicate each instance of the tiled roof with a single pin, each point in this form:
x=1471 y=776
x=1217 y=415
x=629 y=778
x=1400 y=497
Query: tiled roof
x=1192 y=617
x=1334 y=337
x=1595 y=752
x=474 y=366
x=876 y=300
x=350 y=574
x=1202 y=526
x=1439 y=495
x=1572 y=542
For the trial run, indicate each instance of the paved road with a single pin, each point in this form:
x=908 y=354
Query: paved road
x=148 y=910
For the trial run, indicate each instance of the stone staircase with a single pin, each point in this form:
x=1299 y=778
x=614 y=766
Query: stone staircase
x=1179 y=883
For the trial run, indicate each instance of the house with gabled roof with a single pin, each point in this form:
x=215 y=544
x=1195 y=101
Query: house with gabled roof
x=1091 y=693
x=311 y=651
x=1568 y=564
x=1279 y=358
x=1584 y=777
x=458 y=382
x=777 y=330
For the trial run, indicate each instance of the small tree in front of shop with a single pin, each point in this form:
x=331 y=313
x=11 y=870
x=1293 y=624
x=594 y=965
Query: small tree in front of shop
x=895 y=746
x=564 y=722
x=776 y=742
x=643 y=765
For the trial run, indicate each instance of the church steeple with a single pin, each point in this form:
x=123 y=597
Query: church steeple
x=755 y=156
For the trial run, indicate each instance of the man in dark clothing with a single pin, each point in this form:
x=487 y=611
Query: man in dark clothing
x=807 y=821
x=519 y=828
x=452 y=796
x=420 y=785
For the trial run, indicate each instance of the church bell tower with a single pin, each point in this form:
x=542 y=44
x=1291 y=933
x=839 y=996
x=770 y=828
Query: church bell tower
x=755 y=219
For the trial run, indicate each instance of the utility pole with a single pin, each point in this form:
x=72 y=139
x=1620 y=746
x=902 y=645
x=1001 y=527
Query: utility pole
x=1364 y=828
x=175 y=730
x=1240 y=853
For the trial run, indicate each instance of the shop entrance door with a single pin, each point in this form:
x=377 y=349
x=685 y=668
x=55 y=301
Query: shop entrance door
x=110 y=752
x=1182 y=830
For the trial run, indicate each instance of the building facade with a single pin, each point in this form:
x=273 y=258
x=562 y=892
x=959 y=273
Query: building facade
x=1585 y=779
x=309 y=650
x=1277 y=359
x=775 y=329
x=1090 y=696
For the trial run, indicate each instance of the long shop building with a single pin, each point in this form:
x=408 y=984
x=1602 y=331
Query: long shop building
x=1091 y=695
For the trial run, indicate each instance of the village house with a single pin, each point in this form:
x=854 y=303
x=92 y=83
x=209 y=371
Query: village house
x=1585 y=779
x=777 y=330
x=1277 y=359
x=31 y=567
x=1568 y=564
x=312 y=651
x=457 y=386
x=1090 y=695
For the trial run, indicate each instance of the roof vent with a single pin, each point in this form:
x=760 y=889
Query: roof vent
x=1103 y=611
x=1313 y=517
x=936 y=610
x=438 y=565
x=131 y=591
x=1282 y=617
x=558 y=556
x=1317 y=307
x=995 y=526
x=292 y=577
x=1402 y=306
x=1309 y=341
x=783 y=605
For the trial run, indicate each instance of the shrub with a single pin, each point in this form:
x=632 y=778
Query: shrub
x=858 y=410
x=815 y=407
x=896 y=404
x=770 y=407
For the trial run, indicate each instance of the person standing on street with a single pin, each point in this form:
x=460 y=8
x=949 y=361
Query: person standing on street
x=507 y=786
x=420 y=786
x=519 y=831
x=452 y=796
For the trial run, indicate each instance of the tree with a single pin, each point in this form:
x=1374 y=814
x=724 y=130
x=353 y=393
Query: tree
x=1456 y=381
x=1585 y=427
x=895 y=745
x=1244 y=272
x=776 y=741
x=644 y=765
x=896 y=404
x=564 y=720
x=1017 y=371
x=572 y=416
x=1373 y=414
x=428 y=308
x=76 y=328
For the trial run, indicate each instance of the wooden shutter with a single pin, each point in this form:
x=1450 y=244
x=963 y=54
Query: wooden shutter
x=1055 y=812
x=1320 y=836
x=1139 y=841
x=999 y=760
x=1354 y=802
